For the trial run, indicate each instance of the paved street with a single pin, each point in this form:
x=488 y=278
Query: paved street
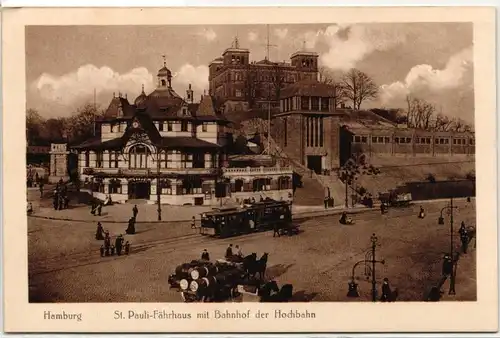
x=65 y=265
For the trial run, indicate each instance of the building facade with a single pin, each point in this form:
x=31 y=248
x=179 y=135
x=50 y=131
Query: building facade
x=242 y=84
x=161 y=148
x=312 y=131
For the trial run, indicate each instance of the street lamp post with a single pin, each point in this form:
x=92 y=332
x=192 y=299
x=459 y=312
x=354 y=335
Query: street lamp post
x=370 y=265
x=158 y=186
x=441 y=221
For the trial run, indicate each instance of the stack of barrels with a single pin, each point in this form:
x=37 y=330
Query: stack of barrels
x=205 y=278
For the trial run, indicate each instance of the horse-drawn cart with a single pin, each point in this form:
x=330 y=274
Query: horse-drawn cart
x=395 y=199
x=225 y=280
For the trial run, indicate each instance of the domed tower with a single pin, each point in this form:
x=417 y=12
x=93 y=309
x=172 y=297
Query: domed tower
x=141 y=98
x=164 y=76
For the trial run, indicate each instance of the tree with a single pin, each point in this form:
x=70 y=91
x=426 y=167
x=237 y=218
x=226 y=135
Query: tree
x=326 y=76
x=358 y=87
x=54 y=129
x=81 y=125
x=34 y=126
x=420 y=113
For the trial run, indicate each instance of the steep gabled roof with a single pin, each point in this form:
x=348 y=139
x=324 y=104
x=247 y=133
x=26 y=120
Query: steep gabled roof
x=118 y=107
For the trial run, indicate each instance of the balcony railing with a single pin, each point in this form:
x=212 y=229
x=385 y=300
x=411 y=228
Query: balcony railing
x=149 y=171
x=259 y=170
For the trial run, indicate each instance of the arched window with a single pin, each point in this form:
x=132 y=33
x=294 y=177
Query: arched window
x=138 y=157
x=163 y=83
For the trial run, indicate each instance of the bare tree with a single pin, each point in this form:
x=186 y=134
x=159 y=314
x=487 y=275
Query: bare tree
x=328 y=77
x=420 y=113
x=460 y=125
x=358 y=87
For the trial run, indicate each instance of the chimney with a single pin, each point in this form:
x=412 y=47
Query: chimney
x=189 y=94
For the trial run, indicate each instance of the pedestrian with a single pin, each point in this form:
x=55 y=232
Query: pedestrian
x=193 y=223
x=99 y=232
x=135 y=211
x=386 y=291
x=325 y=201
x=131 y=226
x=41 y=188
x=107 y=240
x=421 y=214
x=382 y=208
x=92 y=208
x=112 y=250
x=30 y=208
x=118 y=244
x=205 y=256
x=276 y=230
x=99 y=209
x=101 y=250
x=447 y=269
x=229 y=251
x=127 y=247
x=464 y=237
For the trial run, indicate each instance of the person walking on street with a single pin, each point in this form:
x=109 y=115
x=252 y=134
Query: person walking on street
x=99 y=209
x=229 y=251
x=205 y=256
x=386 y=291
x=464 y=237
x=193 y=223
x=135 y=211
x=447 y=269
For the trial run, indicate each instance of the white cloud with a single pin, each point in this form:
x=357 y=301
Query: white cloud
x=71 y=88
x=209 y=34
x=252 y=36
x=74 y=88
x=281 y=32
x=425 y=78
x=197 y=76
x=356 y=42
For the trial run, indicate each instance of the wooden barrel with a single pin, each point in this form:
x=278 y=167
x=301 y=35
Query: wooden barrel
x=184 y=284
x=204 y=271
x=182 y=270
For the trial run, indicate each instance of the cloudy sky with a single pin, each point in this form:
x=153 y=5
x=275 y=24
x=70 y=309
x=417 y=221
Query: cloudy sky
x=65 y=64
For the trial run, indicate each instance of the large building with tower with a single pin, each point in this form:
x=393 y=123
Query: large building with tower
x=242 y=84
x=169 y=149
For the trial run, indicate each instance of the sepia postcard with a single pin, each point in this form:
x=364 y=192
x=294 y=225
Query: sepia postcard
x=250 y=170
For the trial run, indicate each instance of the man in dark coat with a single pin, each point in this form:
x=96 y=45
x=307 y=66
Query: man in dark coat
x=464 y=237
x=92 y=208
x=205 y=256
x=55 y=200
x=135 y=211
x=119 y=244
x=447 y=269
x=193 y=223
x=325 y=201
x=99 y=232
x=99 y=209
x=386 y=291
x=229 y=251
x=421 y=214
x=107 y=240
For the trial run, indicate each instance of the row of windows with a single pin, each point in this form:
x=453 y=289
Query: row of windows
x=407 y=140
x=167 y=126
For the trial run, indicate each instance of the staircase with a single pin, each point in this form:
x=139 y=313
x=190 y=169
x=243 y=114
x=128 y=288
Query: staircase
x=314 y=185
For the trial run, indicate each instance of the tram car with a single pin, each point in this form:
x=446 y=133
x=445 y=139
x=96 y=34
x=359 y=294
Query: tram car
x=260 y=216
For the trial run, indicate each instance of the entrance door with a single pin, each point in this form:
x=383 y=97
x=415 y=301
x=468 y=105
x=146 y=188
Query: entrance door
x=314 y=163
x=139 y=190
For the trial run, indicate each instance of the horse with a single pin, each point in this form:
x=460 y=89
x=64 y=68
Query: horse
x=260 y=266
x=249 y=262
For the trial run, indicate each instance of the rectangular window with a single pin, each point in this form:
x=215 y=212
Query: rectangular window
x=324 y=103
x=304 y=103
x=428 y=140
x=446 y=141
x=169 y=161
x=204 y=127
x=315 y=103
x=184 y=126
x=374 y=139
x=417 y=140
x=364 y=139
x=455 y=141
x=387 y=139
x=380 y=139
x=307 y=131
x=396 y=140
x=285 y=132
x=238 y=93
x=169 y=126
x=471 y=141
x=160 y=126
x=186 y=161
x=357 y=139
x=408 y=140
x=321 y=132
x=99 y=159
